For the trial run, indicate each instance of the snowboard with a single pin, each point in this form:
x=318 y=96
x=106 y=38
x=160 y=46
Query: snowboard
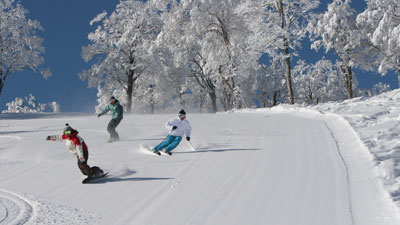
x=94 y=179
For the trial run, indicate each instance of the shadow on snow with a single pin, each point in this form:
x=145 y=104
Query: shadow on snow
x=119 y=179
x=219 y=150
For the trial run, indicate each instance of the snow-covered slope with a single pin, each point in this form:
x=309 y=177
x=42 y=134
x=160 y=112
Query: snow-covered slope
x=282 y=166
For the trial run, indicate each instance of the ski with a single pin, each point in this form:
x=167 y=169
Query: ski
x=166 y=153
x=154 y=152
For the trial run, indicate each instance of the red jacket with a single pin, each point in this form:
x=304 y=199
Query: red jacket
x=75 y=143
x=76 y=139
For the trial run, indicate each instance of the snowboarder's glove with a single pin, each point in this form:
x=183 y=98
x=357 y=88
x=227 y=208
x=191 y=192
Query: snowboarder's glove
x=48 y=138
x=174 y=127
x=82 y=160
x=188 y=138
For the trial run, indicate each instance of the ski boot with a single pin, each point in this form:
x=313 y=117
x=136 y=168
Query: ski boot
x=166 y=152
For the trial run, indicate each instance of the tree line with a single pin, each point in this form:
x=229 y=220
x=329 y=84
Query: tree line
x=211 y=56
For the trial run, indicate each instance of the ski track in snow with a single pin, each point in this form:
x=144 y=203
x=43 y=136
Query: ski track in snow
x=347 y=172
x=14 y=209
x=11 y=137
x=224 y=185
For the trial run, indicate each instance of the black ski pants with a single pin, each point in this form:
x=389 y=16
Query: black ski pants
x=85 y=168
x=111 y=129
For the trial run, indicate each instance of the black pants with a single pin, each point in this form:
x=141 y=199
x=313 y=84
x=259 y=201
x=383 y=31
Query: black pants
x=111 y=129
x=85 y=168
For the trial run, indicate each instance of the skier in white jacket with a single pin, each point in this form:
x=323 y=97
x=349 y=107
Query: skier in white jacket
x=177 y=127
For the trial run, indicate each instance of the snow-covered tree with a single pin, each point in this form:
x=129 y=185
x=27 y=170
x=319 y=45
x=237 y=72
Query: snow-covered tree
x=279 y=27
x=29 y=104
x=54 y=106
x=268 y=84
x=377 y=89
x=210 y=38
x=205 y=81
x=381 y=25
x=225 y=41
x=319 y=82
x=170 y=76
x=121 y=43
x=148 y=97
x=21 y=48
x=336 y=30
x=380 y=88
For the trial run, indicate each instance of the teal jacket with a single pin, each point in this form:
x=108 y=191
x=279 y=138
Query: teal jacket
x=117 y=111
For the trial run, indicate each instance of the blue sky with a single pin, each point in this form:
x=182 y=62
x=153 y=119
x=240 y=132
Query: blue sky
x=66 y=26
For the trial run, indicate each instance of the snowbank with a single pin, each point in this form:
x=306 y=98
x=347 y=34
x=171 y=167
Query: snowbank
x=376 y=121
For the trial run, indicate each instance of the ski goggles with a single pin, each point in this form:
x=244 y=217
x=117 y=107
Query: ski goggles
x=183 y=116
x=67 y=132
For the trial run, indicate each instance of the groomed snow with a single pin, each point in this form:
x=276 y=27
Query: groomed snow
x=286 y=165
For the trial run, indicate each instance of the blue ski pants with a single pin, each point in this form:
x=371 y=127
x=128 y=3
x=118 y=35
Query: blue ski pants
x=169 y=143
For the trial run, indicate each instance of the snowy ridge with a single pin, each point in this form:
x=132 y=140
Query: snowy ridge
x=376 y=125
x=358 y=162
x=376 y=121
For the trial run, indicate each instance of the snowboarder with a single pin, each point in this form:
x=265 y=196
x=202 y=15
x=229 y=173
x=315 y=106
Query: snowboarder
x=77 y=146
x=177 y=127
x=116 y=116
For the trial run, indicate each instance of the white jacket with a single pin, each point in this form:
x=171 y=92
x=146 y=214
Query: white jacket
x=182 y=127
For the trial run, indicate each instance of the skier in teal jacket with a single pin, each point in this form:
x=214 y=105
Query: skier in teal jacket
x=117 y=113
